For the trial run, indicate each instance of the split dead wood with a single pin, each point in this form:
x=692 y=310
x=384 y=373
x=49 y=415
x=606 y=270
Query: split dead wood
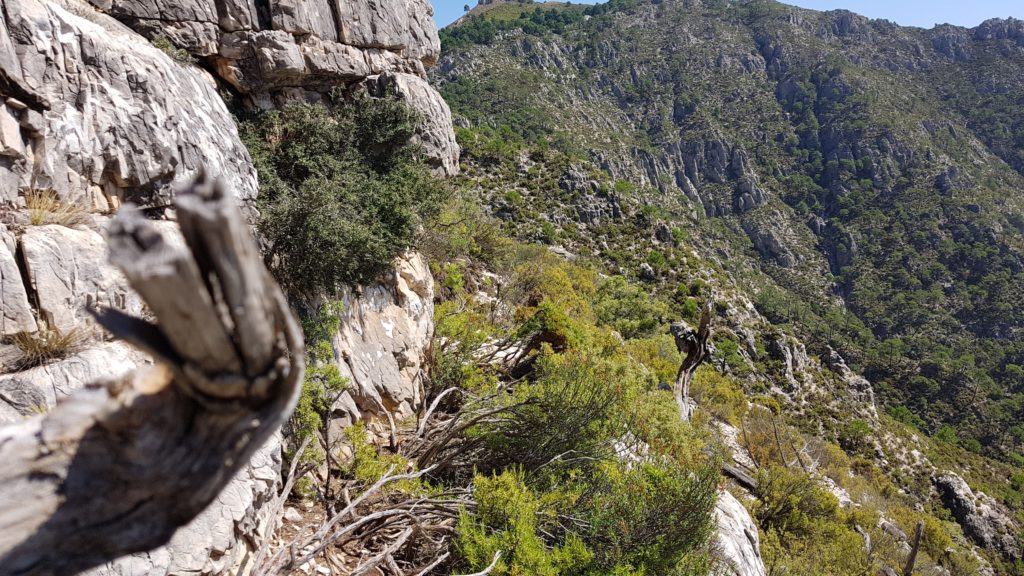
x=694 y=347
x=119 y=466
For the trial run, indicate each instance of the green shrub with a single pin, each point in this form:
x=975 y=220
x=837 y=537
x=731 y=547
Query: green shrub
x=322 y=383
x=342 y=189
x=569 y=412
x=647 y=518
x=790 y=501
x=179 y=55
x=628 y=308
x=509 y=518
x=856 y=435
x=719 y=394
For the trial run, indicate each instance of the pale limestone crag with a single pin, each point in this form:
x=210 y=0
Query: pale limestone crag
x=287 y=50
x=383 y=343
x=737 y=541
x=103 y=115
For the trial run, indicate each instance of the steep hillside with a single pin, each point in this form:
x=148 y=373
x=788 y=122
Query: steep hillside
x=842 y=182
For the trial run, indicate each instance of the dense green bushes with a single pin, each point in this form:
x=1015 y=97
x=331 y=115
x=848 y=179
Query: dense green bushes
x=342 y=190
x=588 y=470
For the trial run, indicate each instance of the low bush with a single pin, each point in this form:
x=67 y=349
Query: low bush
x=45 y=346
x=342 y=189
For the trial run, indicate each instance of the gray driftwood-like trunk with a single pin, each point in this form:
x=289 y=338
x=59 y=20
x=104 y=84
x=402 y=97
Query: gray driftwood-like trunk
x=694 y=347
x=119 y=466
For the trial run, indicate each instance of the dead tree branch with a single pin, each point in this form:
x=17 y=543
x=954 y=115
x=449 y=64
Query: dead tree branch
x=120 y=466
x=695 y=349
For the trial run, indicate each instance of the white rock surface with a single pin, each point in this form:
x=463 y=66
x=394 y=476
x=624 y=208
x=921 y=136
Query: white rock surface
x=385 y=336
x=15 y=313
x=110 y=109
x=738 y=542
x=68 y=271
x=57 y=379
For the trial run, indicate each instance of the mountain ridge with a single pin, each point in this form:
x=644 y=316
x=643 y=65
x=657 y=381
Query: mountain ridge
x=856 y=181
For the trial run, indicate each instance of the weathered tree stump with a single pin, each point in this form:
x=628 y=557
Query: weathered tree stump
x=119 y=466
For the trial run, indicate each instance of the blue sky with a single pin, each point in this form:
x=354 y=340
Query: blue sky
x=923 y=13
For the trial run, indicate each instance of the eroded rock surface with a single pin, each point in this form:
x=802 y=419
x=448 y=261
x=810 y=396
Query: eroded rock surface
x=981 y=517
x=68 y=272
x=15 y=313
x=93 y=109
x=275 y=52
x=737 y=540
x=384 y=341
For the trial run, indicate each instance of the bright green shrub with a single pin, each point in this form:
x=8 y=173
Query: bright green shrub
x=628 y=308
x=649 y=517
x=322 y=383
x=791 y=501
x=369 y=465
x=508 y=518
x=718 y=394
x=570 y=411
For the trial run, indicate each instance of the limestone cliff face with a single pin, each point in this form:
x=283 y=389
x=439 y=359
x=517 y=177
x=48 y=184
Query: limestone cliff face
x=92 y=113
x=383 y=343
x=737 y=540
x=284 y=50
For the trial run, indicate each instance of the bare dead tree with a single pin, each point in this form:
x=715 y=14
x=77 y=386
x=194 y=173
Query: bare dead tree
x=119 y=466
x=695 y=349
x=912 y=558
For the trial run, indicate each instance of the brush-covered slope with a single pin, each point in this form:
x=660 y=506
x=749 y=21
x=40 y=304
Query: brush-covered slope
x=861 y=166
x=831 y=181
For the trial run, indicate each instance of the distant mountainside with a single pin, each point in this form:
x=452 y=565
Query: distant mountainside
x=860 y=183
x=871 y=168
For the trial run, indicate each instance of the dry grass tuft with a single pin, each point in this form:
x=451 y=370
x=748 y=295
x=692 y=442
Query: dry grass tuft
x=45 y=207
x=45 y=346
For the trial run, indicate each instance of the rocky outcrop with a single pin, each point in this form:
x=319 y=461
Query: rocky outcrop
x=435 y=133
x=98 y=114
x=53 y=381
x=383 y=344
x=67 y=272
x=737 y=542
x=276 y=52
x=15 y=313
x=984 y=521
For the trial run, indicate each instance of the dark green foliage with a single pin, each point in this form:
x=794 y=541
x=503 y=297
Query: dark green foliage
x=342 y=190
x=482 y=30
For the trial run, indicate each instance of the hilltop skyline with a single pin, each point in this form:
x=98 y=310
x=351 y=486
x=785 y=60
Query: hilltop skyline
x=920 y=13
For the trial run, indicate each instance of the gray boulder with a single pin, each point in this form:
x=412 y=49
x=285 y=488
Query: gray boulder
x=15 y=313
x=68 y=272
x=737 y=541
x=984 y=521
x=383 y=342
